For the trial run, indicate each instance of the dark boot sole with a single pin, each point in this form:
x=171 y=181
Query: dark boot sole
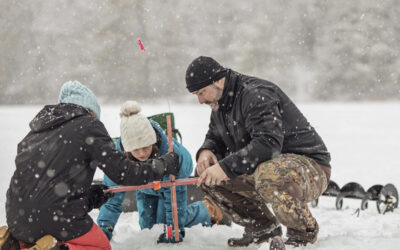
x=274 y=233
x=277 y=244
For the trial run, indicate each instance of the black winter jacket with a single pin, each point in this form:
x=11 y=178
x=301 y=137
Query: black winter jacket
x=55 y=166
x=255 y=122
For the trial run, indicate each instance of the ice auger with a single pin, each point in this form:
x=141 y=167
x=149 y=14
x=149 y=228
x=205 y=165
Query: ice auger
x=386 y=197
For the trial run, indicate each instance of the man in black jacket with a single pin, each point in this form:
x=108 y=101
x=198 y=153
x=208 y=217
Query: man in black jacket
x=50 y=192
x=260 y=140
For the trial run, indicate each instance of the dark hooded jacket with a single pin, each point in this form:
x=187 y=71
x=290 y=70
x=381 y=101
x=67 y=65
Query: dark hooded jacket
x=55 y=166
x=255 y=122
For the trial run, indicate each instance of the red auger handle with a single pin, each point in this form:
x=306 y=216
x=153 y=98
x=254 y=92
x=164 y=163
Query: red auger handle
x=173 y=187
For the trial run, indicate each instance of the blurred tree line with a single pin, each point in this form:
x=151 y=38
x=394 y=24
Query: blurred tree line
x=315 y=49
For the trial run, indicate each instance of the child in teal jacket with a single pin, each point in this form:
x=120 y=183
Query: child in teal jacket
x=142 y=139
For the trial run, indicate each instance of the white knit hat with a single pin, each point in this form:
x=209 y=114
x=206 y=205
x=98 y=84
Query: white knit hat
x=136 y=130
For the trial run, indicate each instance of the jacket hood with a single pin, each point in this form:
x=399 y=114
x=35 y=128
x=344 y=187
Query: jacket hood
x=55 y=115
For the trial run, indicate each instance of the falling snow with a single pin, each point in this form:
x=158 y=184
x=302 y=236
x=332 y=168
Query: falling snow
x=344 y=127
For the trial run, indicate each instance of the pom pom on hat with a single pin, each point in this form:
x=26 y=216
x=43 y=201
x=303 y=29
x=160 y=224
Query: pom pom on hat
x=76 y=93
x=130 y=108
x=136 y=130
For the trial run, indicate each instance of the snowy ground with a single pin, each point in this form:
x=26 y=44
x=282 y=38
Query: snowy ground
x=363 y=139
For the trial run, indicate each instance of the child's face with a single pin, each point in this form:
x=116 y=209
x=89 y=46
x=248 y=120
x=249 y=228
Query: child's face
x=142 y=154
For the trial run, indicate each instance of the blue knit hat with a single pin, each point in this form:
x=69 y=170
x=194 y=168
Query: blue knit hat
x=77 y=93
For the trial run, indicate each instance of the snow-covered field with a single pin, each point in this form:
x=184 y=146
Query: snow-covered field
x=363 y=139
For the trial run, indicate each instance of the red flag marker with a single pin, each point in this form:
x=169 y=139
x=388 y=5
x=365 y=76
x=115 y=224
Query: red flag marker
x=140 y=44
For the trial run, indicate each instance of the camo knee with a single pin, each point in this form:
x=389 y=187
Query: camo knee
x=285 y=183
x=295 y=175
x=276 y=176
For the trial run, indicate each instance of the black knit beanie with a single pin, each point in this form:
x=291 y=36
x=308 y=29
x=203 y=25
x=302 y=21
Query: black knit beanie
x=202 y=72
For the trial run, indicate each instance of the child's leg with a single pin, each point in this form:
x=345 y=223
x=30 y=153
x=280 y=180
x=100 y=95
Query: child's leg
x=197 y=213
x=147 y=209
x=160 y=212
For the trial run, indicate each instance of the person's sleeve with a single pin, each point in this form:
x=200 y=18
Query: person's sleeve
x=111 y=210
x=213 y=141
x=114 y=164
x=263 y=121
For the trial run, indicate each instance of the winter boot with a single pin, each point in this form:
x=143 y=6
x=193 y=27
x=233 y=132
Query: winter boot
x=257 y=237
x=300 y=237
x=7 y=242
x=47 y=242
x=217 y=216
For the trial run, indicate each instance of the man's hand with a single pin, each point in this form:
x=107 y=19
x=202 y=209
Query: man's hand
x=213 y=175
x=206 y=158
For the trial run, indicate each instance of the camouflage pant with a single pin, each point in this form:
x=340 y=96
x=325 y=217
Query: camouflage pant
x=287 y=182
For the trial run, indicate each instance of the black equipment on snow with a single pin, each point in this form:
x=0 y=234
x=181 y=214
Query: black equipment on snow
x=386 y=197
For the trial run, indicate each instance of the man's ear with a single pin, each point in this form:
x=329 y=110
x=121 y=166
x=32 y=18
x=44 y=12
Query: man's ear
x=220 y=83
